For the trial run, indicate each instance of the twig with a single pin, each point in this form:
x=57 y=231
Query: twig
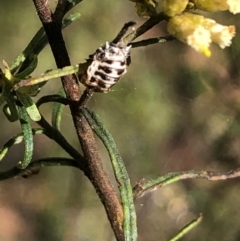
x=55 y=134
x=87 y=94
x=95 y=171
x=44 y=162
x=52 y=98
x=60 y=10
x=63 y=7
x=151 y=22
x=143 y=187
x=151 y=41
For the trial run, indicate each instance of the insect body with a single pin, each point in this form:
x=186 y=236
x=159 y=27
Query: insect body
x=108 y=64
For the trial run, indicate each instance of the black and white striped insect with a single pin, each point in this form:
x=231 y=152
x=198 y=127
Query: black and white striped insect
x=108 y=64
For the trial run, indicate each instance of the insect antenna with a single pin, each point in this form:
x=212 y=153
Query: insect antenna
x=124 y=29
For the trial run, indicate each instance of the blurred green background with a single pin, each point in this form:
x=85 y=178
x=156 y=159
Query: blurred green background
x=175 y=110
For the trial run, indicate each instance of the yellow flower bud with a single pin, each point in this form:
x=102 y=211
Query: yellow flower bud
x=174 y=7
x=218 y=5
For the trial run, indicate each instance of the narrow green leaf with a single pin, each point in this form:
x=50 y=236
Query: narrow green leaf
x=9 y=109
x=2 y=100
x=30 y=106
x=32 y=65
x=52 y=74
x=16 y=140
x=31 y=90
x=27 y=136
x=57 y=111
x=186 y=229
x=122 y=177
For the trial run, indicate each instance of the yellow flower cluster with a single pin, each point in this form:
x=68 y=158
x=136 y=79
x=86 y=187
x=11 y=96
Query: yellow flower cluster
x=198 y=32
x=193 y=29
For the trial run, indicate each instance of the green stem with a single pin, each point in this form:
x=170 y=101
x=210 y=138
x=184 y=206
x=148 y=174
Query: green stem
x=27 y=137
